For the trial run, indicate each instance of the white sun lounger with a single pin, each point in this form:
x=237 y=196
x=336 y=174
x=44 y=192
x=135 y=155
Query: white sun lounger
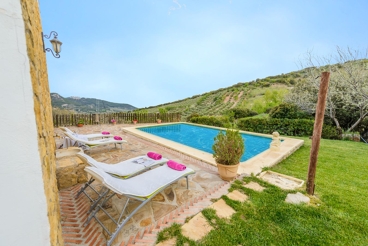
x=94 y=143
x=142 y=187
x=86 y=136
x=123 y=170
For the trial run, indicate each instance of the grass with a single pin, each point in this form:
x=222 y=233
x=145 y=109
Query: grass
x=338 y=214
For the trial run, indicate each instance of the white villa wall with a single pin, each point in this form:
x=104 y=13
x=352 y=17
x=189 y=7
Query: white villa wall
x=23 y=205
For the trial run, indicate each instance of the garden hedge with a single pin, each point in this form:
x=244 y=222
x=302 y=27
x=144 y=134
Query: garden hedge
x=210 y=121
x=289 y=127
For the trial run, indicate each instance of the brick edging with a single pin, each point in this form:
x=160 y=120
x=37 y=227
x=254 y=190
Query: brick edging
x=148 y=235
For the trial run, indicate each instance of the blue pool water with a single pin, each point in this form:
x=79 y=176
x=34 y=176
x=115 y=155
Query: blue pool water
x=202 y=138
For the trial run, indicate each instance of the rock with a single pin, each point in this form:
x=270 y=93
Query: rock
x=297 y=198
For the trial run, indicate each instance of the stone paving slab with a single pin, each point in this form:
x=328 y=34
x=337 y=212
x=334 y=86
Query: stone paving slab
x=237 y=196
x=254 y=186
x=222 y=209
x=196 y=228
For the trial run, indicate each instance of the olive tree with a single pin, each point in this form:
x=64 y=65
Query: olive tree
x=348 y=87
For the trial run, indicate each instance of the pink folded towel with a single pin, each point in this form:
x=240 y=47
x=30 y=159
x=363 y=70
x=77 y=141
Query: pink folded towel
x=176 y=166
x=117 y=138
x=105 y=133
x=154 y=155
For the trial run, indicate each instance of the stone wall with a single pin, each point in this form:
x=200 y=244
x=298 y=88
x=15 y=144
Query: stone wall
x=43 y=114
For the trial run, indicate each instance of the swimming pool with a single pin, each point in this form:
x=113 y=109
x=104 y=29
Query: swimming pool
x=202 y=138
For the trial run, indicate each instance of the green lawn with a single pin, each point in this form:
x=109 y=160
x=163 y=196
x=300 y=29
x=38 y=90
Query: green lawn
x=338 y=215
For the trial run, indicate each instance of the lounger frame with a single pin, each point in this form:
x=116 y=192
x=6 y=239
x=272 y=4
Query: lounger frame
x=89 y=136
x=120 y=222
x=92 y=162
x=96 y=143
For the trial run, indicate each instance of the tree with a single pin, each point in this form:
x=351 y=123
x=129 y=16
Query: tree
x=348 y=88
x=270 y=99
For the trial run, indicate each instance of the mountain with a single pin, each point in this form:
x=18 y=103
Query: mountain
x=87 y=105
x=250 y=95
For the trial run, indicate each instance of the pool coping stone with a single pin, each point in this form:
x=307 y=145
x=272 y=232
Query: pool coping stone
x=254 y=165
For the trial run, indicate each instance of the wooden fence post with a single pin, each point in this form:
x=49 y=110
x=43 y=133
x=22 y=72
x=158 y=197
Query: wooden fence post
x=317 y=131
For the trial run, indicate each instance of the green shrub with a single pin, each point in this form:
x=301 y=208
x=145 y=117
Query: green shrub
x=228 y=147
x=211 y=121
x=289 y=127
x=162 y=110
x=288 y=111
x=242 y=112
x=192 y=116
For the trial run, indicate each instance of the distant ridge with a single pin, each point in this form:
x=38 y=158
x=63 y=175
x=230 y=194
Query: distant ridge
x=87 y=105
x=240 y=95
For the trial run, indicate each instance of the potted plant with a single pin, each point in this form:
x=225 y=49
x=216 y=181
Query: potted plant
x=113 y=121
x=80 y=123
x=228 y=149
x=135 y=121
x=158 y=120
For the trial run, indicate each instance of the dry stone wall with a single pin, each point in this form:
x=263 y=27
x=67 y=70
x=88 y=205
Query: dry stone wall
x=43 y=114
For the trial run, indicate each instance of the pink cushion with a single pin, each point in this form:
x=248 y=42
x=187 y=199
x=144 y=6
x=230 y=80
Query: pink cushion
x=176 y=166
x=105 y=133
x=154 y=155
x=117 y=138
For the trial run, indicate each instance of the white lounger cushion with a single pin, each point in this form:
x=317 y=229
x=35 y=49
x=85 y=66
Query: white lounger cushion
x=86 y=136
x=124 y=168
x=95 y=142
x=143 y=185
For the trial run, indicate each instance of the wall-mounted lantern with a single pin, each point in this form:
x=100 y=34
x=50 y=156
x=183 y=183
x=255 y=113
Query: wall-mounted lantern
x=56 y=44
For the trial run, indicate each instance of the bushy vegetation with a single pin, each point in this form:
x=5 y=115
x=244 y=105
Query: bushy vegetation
x=189 y=118
x=289 y=127
x=268 y=95
x=288 y=111
x=211 y=121
x=270 y=99
x=347 y=88
x=264 y=94
x=228 y=147
x=242 y=112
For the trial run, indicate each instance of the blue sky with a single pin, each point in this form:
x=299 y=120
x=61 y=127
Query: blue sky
x=149 y=52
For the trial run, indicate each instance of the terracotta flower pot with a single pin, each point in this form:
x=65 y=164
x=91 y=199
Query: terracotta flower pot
x=227 y=172
x=79 y=125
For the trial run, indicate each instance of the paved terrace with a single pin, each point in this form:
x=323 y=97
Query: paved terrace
x=174 y=204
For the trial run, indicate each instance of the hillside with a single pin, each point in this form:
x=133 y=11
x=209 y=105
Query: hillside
x=87 y=105
x=242 y=95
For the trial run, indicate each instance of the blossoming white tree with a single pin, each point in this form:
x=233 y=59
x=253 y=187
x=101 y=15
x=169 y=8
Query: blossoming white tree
x=348 y=88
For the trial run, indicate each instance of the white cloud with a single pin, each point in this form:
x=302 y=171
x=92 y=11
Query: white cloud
x=179 y=6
